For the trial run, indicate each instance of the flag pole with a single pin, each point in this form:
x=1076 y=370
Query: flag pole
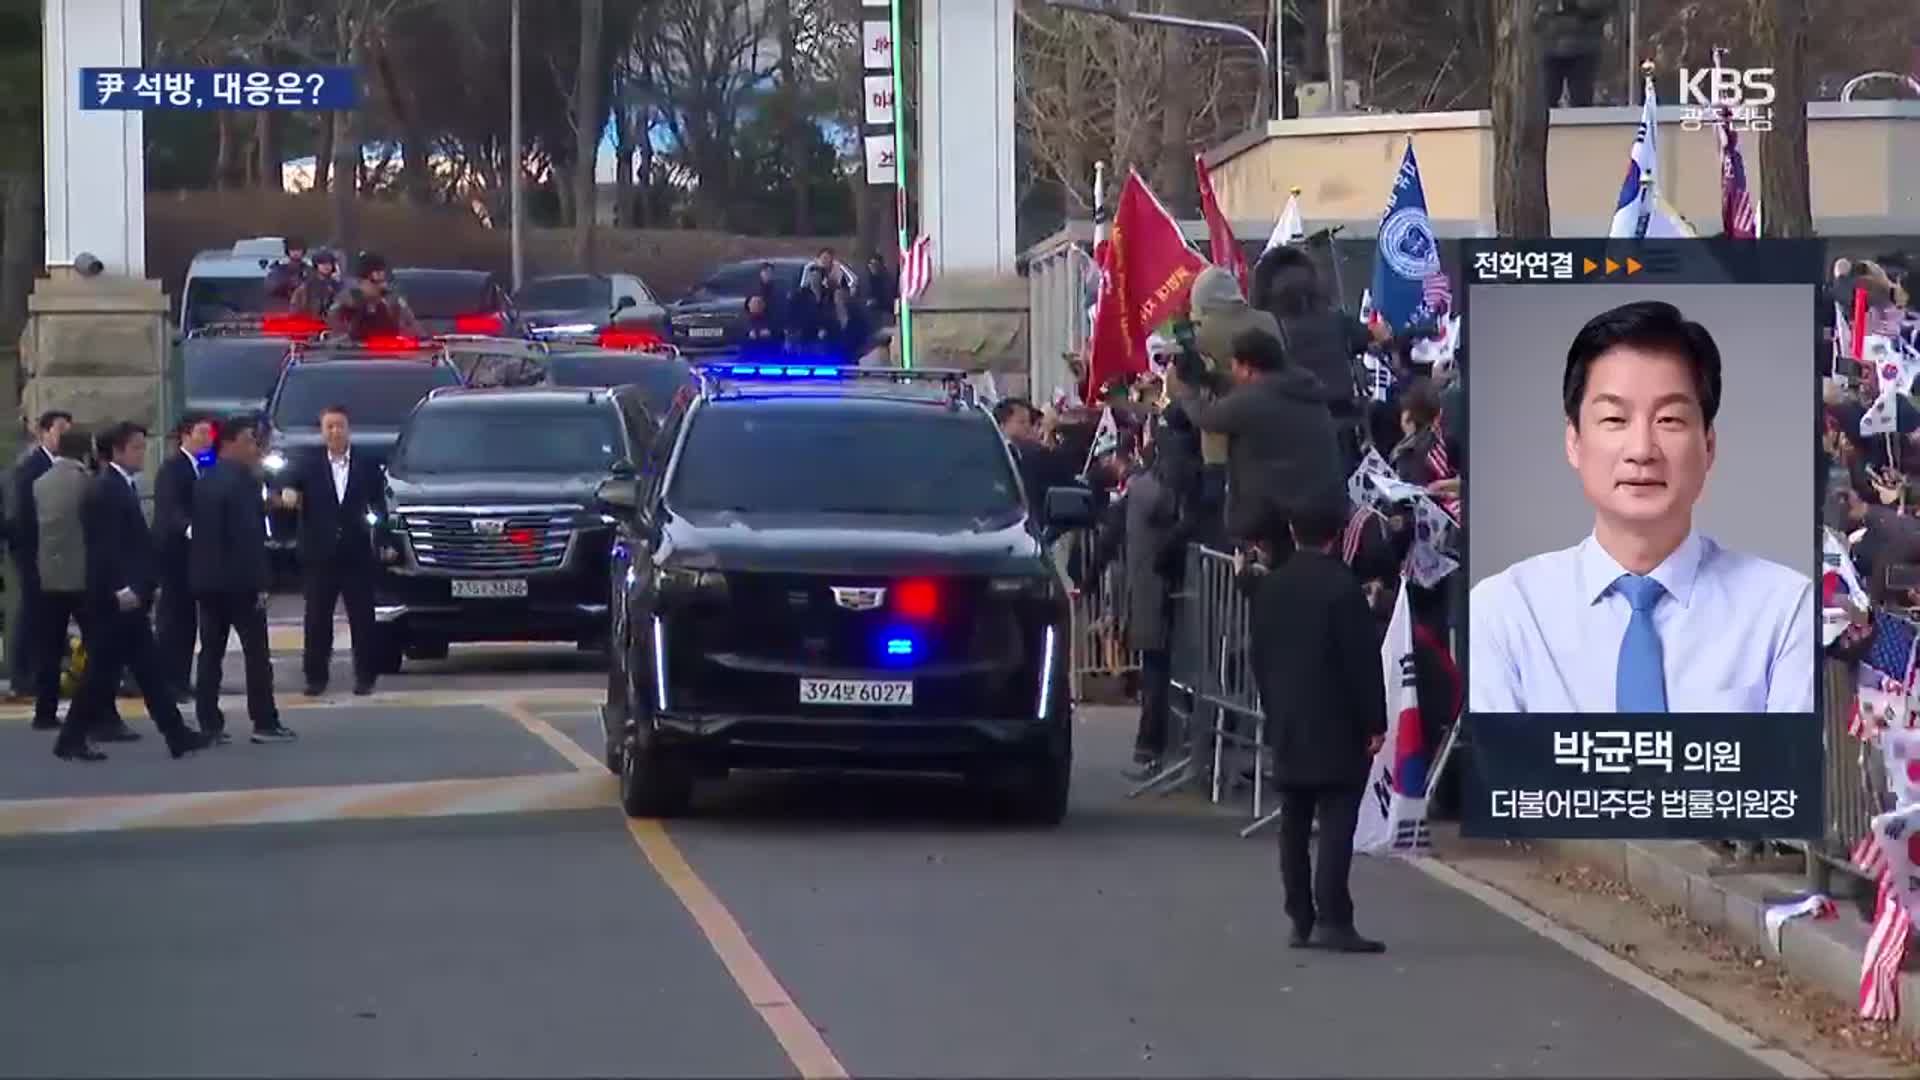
x=900 y=174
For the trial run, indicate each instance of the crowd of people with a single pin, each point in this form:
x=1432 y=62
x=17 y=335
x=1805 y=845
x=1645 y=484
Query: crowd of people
x=142 y=595
x=830 y=309
x=1242 y=437
x=310 y=283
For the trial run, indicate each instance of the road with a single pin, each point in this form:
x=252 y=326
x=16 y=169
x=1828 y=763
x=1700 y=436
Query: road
x=436 y=881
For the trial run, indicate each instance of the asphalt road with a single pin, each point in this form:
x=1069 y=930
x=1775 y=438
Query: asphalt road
x=436 y=882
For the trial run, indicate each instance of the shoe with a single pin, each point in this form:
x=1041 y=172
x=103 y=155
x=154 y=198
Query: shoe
x=83 y=752
x=1143 y=768
x=46 y=723
x=122 y=733
x=1301 y=937
x=276 y=733
x=362 y=689
x=1346 y=941
x=316 y=689
x=216 y=738
x=188 y=743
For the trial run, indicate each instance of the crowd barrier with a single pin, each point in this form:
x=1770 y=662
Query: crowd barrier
x=1099 y=639
x=1855 y=781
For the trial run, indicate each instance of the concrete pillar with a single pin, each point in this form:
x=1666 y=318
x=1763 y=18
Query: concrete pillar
x=974 y=315
x=95 y=161
x=95 y=346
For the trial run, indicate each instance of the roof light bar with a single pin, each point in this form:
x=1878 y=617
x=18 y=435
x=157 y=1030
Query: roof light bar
x=956 y=383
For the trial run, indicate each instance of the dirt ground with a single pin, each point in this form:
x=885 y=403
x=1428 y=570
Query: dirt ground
x=1744 y=986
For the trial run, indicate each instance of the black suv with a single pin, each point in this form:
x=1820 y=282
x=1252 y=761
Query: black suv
x=835 y=568
x=490 y=496
x=378 y=385
x=713 y=316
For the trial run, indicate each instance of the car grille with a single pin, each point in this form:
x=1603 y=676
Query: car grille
x=490 y=542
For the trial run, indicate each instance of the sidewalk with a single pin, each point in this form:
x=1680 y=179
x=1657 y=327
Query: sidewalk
x=1823 y=954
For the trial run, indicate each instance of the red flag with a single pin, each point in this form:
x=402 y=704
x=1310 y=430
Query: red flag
x=1146 y=272
x=1225 y=249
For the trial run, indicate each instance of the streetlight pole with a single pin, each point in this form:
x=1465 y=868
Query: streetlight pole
x=517 y=225
x=1124 y=11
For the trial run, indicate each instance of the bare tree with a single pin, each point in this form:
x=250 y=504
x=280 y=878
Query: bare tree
x=1781 y=29
x=587 y=129
x=706 y=56
x=1520 y=205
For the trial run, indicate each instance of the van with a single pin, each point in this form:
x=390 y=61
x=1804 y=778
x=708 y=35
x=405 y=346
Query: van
x=225 y=284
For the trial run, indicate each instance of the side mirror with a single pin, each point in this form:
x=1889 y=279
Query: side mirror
x=618 y=493
x=625 y=303
x=623 y=469
x=1068 y=508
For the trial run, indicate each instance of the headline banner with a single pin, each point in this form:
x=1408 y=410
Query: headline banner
x=143 y=89
x=1693 y=776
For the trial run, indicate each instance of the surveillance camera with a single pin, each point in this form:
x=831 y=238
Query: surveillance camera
x=87 y=265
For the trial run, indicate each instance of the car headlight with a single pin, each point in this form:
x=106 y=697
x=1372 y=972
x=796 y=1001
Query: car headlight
x=679 y=583
x=274 y=462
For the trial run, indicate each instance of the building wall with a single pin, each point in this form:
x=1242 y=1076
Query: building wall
x=1865 y=156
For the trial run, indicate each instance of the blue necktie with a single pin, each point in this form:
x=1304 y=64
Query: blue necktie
x=1640 y=685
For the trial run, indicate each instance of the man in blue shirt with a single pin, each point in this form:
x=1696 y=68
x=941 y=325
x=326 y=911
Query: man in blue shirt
x=1646 y=614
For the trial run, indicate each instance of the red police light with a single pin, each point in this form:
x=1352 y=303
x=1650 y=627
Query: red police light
x=918 y=600
x=390 y=343
x=614 y=337
x=484 y=323
x=294 y=326
x=520 y=537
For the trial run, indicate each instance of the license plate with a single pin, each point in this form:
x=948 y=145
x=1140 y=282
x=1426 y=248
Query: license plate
x=706 y=331
x=489 y=588
x=855 y=692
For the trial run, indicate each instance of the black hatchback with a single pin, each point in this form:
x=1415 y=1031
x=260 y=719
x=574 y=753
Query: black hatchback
x=836 y=570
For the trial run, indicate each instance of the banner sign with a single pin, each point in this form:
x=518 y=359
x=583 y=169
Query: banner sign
x=1693 y=776
x=142 y=89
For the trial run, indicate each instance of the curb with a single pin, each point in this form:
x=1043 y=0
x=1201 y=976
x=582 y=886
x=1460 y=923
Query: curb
x=1824 y=954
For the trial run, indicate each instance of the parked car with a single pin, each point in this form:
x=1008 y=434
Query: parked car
x=460 y=302
x=581 y=303
x=713 y=316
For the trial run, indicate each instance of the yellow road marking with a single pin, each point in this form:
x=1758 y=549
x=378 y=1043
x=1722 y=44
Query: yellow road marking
x=796 y=1034
x=547 y=733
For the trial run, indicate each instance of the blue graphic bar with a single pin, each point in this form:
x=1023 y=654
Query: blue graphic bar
x=142 y=89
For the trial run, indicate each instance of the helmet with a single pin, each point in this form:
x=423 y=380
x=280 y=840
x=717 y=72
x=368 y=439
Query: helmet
x=324 y=255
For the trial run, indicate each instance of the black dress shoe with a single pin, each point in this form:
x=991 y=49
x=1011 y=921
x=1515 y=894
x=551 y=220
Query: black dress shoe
x=1346 y=941
x=83 y=752
x=1301 y=937
x=362 y=689
x=46 y=723
x=119 y=734
x=187 y=743
x=316 y=689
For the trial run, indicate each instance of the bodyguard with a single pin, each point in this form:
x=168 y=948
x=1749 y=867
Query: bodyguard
x=231 y=576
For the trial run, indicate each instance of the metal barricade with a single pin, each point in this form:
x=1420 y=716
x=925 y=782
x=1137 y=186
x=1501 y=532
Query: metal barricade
x=1215 y=708
x=1099 y=615
x=1855 y=781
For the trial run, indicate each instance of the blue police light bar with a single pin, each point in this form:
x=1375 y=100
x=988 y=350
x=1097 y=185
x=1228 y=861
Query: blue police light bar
x=900 y=647
x=955 y=382
x=323 y=89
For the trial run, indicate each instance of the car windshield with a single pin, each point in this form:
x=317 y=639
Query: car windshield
x=445 y=296
x=659 y=379
x=909 y=462
x=566 y=293
x=231 y=370
x=493 y=438
x=374 y=395
x=223 y=299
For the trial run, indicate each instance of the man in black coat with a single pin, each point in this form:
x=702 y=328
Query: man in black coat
x=339 y=496
x=230 y=574
x=123 y=571
x=1317 y=664
x=23 y=531
x=172 y=521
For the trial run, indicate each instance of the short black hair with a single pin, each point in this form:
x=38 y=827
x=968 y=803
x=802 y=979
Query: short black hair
x=336 y=408
x=1420 y=401
x=228 y=431
x=1319 y=521
x=73 y=444
x=117 y=436
x=189 y=422
x=103 y=447
x=1004 y=409
x=296 y=243
x=371 y=263
x=1653 y=325
x=1259 y=350
x=50 y=418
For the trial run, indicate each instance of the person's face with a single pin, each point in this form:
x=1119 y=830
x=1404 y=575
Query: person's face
x=1408 y=425
x=199 y=437
x=50 y=438
x=766 y=273
x=325 y=269
x=133 y=456
x=826 y=256
x=334 y=430
x=1018 y=424
x=1243 y=371
x=1641 y=447
x=377 y=282
x=244 y=449
x=756 y=305
x=296 y=254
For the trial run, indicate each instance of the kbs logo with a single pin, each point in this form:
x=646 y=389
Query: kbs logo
x=1742 y=97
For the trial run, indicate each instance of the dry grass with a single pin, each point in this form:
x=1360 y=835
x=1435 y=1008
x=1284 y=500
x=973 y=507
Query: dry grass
x=180 y=224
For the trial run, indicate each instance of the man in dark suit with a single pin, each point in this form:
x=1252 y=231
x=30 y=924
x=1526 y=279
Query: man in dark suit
x=338 y=494
x=1316 y=651
x=172 y=522
x=228 y=569
x=122 y=574
x=23 y=531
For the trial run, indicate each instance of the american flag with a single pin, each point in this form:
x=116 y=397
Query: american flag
x=1442 y=467
x=1892 y=930
x=1436 y=292
x=1737 y=218
x=1891 y=653
x=1356 y=531
x=1879 y=694
x=916 y=268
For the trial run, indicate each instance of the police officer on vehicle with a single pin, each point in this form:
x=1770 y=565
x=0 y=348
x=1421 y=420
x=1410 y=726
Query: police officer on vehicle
x=370 y=307
x=318 y=293
x=288 y=275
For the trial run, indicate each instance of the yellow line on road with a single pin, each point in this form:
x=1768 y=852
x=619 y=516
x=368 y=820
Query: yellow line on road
x=796 y=1034
x=547 y=733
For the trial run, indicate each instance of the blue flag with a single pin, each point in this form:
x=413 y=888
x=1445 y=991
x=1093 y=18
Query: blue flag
x=1408 y=284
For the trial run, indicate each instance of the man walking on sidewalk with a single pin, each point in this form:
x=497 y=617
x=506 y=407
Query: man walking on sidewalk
x=1317 y=664
x=172 y=518
x=231 y=576
x=24 y=534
